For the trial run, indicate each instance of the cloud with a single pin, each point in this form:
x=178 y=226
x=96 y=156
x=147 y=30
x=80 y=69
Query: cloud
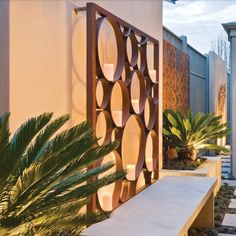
x=200 y=21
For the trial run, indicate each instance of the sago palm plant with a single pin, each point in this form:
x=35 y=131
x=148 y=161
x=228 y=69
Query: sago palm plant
x=189 y=134
x=45 y=176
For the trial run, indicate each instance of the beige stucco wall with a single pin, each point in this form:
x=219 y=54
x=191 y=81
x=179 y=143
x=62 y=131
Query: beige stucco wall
x=4 y=56
x=217 y=78
x=39 y=59
x=47 y=48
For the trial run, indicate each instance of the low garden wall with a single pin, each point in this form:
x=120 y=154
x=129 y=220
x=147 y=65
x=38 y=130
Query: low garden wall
x=210 y=168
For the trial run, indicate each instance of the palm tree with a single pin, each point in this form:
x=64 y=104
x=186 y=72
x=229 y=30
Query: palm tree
x=45 y=176
x=188 y=134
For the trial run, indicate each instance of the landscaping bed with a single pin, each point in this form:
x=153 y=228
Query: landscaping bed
x=221 y=208
x=222 y=201
x=183 y=164
x=185 y=136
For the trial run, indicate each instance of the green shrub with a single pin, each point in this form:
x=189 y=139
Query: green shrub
x=45 y=176
x=188 y=134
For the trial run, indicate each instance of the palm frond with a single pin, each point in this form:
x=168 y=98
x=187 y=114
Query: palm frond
x=48 y=177
x=76 y=223
x=19 y=143
x=33 y=152
x=188 y=132
x=66 y=138
x=4 y=135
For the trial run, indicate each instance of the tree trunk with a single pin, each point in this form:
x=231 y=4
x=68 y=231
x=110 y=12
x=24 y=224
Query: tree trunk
x=188 y=153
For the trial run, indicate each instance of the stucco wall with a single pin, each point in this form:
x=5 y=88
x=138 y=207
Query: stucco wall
x=198 y=81
x=172 y=38
x=39 y=59
x=47 y=43
x=217 y=78
x=198 y=96
x=218 y=87
x=4 y=56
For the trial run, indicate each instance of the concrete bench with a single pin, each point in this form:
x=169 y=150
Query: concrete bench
x=169 y=207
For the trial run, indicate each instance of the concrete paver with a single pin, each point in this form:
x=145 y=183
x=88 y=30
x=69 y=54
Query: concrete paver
x=226 y=164
x=229 y=220
x=229 y=182
x=225 y=175
x=225 y=169
x=226 y=234
x=225 y=160
x=232 y=203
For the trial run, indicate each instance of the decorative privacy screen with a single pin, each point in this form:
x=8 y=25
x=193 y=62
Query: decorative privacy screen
x=122 y=100
x=175 y=78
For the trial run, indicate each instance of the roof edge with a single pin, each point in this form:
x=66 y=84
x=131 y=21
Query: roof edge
x=172 y=1
x=229 y=26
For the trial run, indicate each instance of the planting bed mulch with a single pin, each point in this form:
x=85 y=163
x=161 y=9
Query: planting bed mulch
x=182 y=164
x=222 y=201
x=222 y=208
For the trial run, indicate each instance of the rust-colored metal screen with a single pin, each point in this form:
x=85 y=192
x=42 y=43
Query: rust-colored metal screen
x=122 y=101
x=175 y=78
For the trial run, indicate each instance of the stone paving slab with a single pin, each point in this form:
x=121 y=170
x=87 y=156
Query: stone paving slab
x=226 y=234
x=225 y=169
x=226 y=164
x=229 y=182
x=229 y=220
x=232 y=203
x=225 y=175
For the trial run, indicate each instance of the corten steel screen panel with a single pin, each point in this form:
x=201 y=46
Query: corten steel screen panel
x=124 y=106
x=176 y=79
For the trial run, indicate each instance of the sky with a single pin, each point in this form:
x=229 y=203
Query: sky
x=199 y=20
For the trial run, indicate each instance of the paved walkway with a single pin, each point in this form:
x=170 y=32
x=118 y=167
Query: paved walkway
x=226 y=234
x=226 y=164
x=229 y=219
x=229 y=182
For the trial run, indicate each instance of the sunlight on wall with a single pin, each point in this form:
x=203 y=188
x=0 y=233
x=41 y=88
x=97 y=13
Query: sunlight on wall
x=217 y=82
x=47 y=43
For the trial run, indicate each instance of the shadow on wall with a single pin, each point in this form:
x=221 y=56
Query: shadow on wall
x=108 y=58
